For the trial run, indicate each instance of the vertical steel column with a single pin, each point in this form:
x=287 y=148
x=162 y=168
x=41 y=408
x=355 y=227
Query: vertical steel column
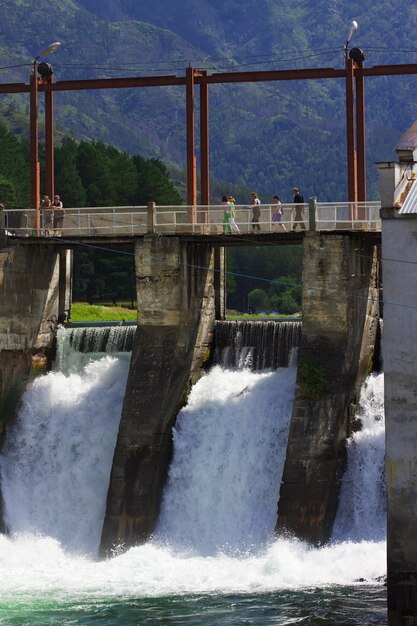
x=191 y=160
x=34 y=147
x=49 y=139
x=204 y=144
x=360 y=133
x=350 y=133
x=204 y=151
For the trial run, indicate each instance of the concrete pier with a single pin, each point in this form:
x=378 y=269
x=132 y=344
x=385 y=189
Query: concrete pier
x=400 y=375
x=29 y=308
x=340 y=320
x=176 y=312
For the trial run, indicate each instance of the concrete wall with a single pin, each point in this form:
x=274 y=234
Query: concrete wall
x=176 y=312
x=340 y=320
x=30 y=297
x=399 y=267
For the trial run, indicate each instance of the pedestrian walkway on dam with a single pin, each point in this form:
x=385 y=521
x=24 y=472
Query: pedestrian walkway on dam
x=131 y=221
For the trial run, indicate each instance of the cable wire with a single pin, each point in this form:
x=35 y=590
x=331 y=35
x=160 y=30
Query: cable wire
x=333 y=293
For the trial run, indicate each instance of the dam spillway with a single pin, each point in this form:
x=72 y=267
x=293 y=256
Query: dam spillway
x=257 y=345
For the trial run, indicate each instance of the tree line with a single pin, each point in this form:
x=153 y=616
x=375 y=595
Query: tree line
x=87 y=173
x=91 y=173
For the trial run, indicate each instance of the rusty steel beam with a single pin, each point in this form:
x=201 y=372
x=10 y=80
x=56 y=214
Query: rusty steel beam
x=204 y=145
x=249 y=77
x=191 y=160
x=34 y=148
x=360 y=139
x=49 y=140
x=14 y=88
x=117 y=83
x=388 y=70
x=350 y=133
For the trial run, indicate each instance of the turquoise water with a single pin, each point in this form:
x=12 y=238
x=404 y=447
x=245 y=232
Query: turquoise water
x=342 y=606
x=214 y=559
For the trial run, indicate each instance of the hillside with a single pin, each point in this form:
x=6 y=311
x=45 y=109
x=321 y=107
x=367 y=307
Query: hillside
x=266 y=136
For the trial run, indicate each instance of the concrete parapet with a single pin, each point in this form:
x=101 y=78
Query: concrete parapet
x=340 y=318
x=176 y=312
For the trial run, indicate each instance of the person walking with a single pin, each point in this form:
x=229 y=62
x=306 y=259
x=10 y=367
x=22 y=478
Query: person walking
x=256 y=213
x=46 y=212
x=276 y=215
x=298 y=209
x=58 y=213
x=235 y=228
x=227 y=229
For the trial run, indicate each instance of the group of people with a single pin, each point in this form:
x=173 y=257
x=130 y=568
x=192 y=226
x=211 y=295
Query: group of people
x=229 y=214
x=53 y=215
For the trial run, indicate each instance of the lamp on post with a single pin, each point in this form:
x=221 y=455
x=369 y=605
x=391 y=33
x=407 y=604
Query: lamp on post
x=352 y=30
x=33 y=130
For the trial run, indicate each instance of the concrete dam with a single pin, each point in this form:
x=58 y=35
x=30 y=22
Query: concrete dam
x=179 y=300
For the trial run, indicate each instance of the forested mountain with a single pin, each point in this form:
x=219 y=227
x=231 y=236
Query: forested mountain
x=267 y=136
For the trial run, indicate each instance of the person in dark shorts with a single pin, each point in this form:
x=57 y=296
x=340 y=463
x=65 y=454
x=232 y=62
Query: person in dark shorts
x=299 y=209
x=58 y=215
x=46 y=212
x=256 y=213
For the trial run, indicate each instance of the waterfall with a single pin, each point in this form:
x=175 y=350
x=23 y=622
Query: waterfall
x=256 y=345
x=76 y=347
x=101 y=338
x=56 y=460
x=362 y=509
x=229 y=451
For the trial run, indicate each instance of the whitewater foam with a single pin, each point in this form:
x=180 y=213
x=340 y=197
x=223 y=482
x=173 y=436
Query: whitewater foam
x=216 y=527
x=56 y=461
x=229 y=451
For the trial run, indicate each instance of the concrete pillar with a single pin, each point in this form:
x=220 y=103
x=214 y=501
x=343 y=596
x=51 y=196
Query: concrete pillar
x=389 y=177
x=340 y=308
x=151 y=217
x=312 y=213
x=220 y=282
x=29 y=295
x=176 y=315
x=399 y=260
x=28 y=313
x=65 y=284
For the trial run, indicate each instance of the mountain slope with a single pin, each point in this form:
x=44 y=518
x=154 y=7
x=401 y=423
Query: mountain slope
x=268 y=136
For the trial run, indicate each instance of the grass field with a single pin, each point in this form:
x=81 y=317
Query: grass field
x=82 y=312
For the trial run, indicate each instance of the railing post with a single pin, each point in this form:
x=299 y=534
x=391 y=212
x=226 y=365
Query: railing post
x=151 y=217
x=312 y=210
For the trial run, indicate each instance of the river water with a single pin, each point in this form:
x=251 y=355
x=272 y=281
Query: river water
x=213 y=560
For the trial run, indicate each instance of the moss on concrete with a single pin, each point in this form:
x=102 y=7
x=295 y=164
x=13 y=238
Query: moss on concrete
x=313 y=379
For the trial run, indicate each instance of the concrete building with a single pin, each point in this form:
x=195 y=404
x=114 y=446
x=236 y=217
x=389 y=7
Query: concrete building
x=399 y=274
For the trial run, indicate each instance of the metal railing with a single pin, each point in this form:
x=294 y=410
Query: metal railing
x=199 y=220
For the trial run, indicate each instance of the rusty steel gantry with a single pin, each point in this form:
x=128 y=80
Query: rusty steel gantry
x=353 y=73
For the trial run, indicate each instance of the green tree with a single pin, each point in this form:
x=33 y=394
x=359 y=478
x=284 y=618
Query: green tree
x=68 y=181
x=93 y=165
x=14 y=165
x=258 y=301
x=123 y=174
x=154 y=184
x=7 y=191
